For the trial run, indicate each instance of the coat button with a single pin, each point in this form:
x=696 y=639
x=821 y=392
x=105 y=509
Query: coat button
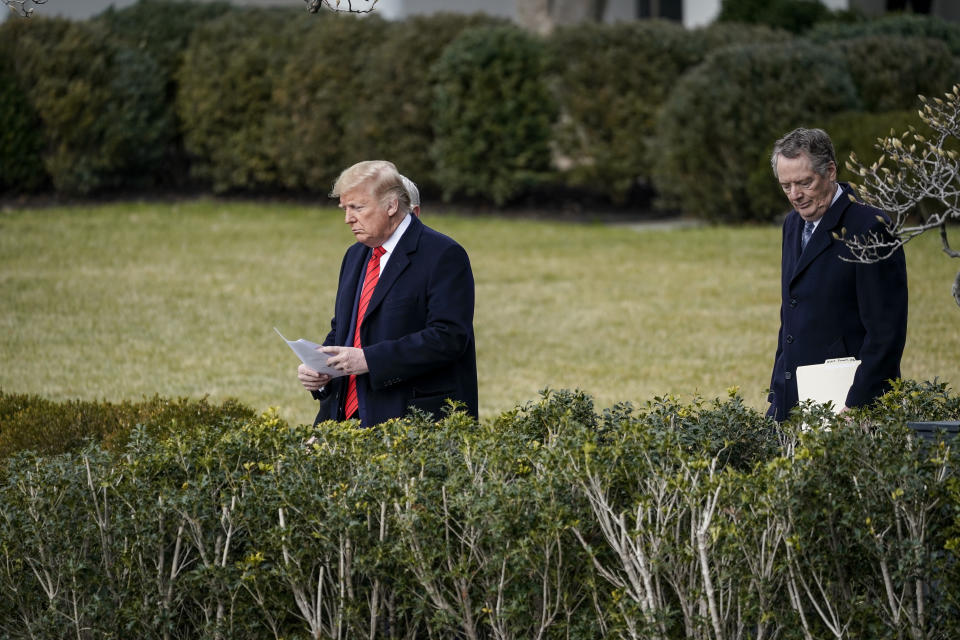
x=789 y=339
x=788 y=375
x=793 y=302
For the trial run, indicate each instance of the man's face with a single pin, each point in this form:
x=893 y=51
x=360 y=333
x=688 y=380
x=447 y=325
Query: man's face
x=371 y=222
x=808 y=192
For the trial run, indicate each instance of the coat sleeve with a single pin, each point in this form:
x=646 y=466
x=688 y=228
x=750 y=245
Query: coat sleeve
x=331 y=338
x=882 y=306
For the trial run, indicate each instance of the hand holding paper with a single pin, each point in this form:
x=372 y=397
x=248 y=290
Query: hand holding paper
x=308 y=353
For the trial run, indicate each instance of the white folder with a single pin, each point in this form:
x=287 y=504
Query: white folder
x=827 y=382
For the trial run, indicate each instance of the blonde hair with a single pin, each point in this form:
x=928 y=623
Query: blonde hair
x=382 y=177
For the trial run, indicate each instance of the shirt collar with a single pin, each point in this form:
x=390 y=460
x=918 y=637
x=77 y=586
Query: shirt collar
x=394 y=238
x=836 y=196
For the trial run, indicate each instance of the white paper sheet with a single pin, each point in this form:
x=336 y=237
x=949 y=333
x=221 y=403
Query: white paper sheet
x=308 y=354
x=827 y=382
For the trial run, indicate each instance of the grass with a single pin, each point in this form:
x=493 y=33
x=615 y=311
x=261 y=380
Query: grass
x=125 y=300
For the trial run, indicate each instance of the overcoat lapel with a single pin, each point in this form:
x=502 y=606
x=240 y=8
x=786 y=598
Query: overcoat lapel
x=348 y=303
x=397 y=264
x=822 y=238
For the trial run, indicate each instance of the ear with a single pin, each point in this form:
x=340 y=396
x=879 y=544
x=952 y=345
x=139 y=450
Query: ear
x=832 y=172
x=393 y=206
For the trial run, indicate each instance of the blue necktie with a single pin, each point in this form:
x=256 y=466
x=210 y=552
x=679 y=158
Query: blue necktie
x=807 y=232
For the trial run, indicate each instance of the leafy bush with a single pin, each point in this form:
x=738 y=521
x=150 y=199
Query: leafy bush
x=318 y=88
x=100 y=103
x=396 y=91
x=793 y=15
x=717 y=35
x=890 y=71
x=725 y=114
x=900 y=24
x=226 y=81
x=38 y=424
x=857 y=132
x=609 y=93
x=680 y=521
x=493 y=114
x=21 y=139
x=161 y=30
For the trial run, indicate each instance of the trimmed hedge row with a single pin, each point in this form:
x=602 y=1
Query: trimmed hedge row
x=29 y=422
x=469 y=106
x=674 y=520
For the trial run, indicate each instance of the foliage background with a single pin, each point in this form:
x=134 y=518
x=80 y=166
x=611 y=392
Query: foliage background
x=242 y=100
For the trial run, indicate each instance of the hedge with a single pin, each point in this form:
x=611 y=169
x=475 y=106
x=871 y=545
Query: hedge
x=395 y=114
x=857 y=132
x=161 y=29
x=671 y=520
x=470 y=107
x=225 y=86
x=898 y=24
x=21 y=139
x=797 y=16
x=493 y=115
x=610 y=92
x=101 y=104
x=318 y=86
x=724 y=115
x=29 y=422
x=609 y=83
x=891 y=71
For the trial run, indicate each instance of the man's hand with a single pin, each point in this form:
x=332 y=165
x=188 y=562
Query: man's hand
x=350 y=360
x=310 y=379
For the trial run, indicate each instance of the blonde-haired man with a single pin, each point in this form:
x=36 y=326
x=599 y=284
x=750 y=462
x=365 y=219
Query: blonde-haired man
x=402 y=328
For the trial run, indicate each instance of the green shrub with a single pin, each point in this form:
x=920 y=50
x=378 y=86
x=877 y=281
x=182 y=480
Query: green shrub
x=493 y=115
x=319 y=86
x=857 y=132
x=100 y=104
x=725 y=114
x=717 y=35
x=47 y=427
x=161 y=30
x=675 y=520
x=609 y=93
x=901 y=24
x=396 y=119
x=793 y=15
x=226 y=81
x=890 y=71
x=21 y=139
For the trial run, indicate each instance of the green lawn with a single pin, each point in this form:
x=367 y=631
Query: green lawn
x=120 y=301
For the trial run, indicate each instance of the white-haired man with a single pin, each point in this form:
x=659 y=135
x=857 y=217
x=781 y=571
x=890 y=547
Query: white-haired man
x=402 y=328
x=414 y=194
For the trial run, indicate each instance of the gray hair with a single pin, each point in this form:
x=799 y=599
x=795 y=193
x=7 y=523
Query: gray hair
x=813 y=142
x=412 y=191
x=383 y=178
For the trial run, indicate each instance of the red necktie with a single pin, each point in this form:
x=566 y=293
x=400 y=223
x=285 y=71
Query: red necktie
x=369 y=284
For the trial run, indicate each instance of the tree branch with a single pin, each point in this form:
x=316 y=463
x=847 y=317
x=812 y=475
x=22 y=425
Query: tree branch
x=22 y=7
x=314 y=6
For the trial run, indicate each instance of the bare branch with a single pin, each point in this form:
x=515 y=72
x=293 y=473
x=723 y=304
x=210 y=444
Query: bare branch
x=920 y=172
x=364 y=6
x=22 y=7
